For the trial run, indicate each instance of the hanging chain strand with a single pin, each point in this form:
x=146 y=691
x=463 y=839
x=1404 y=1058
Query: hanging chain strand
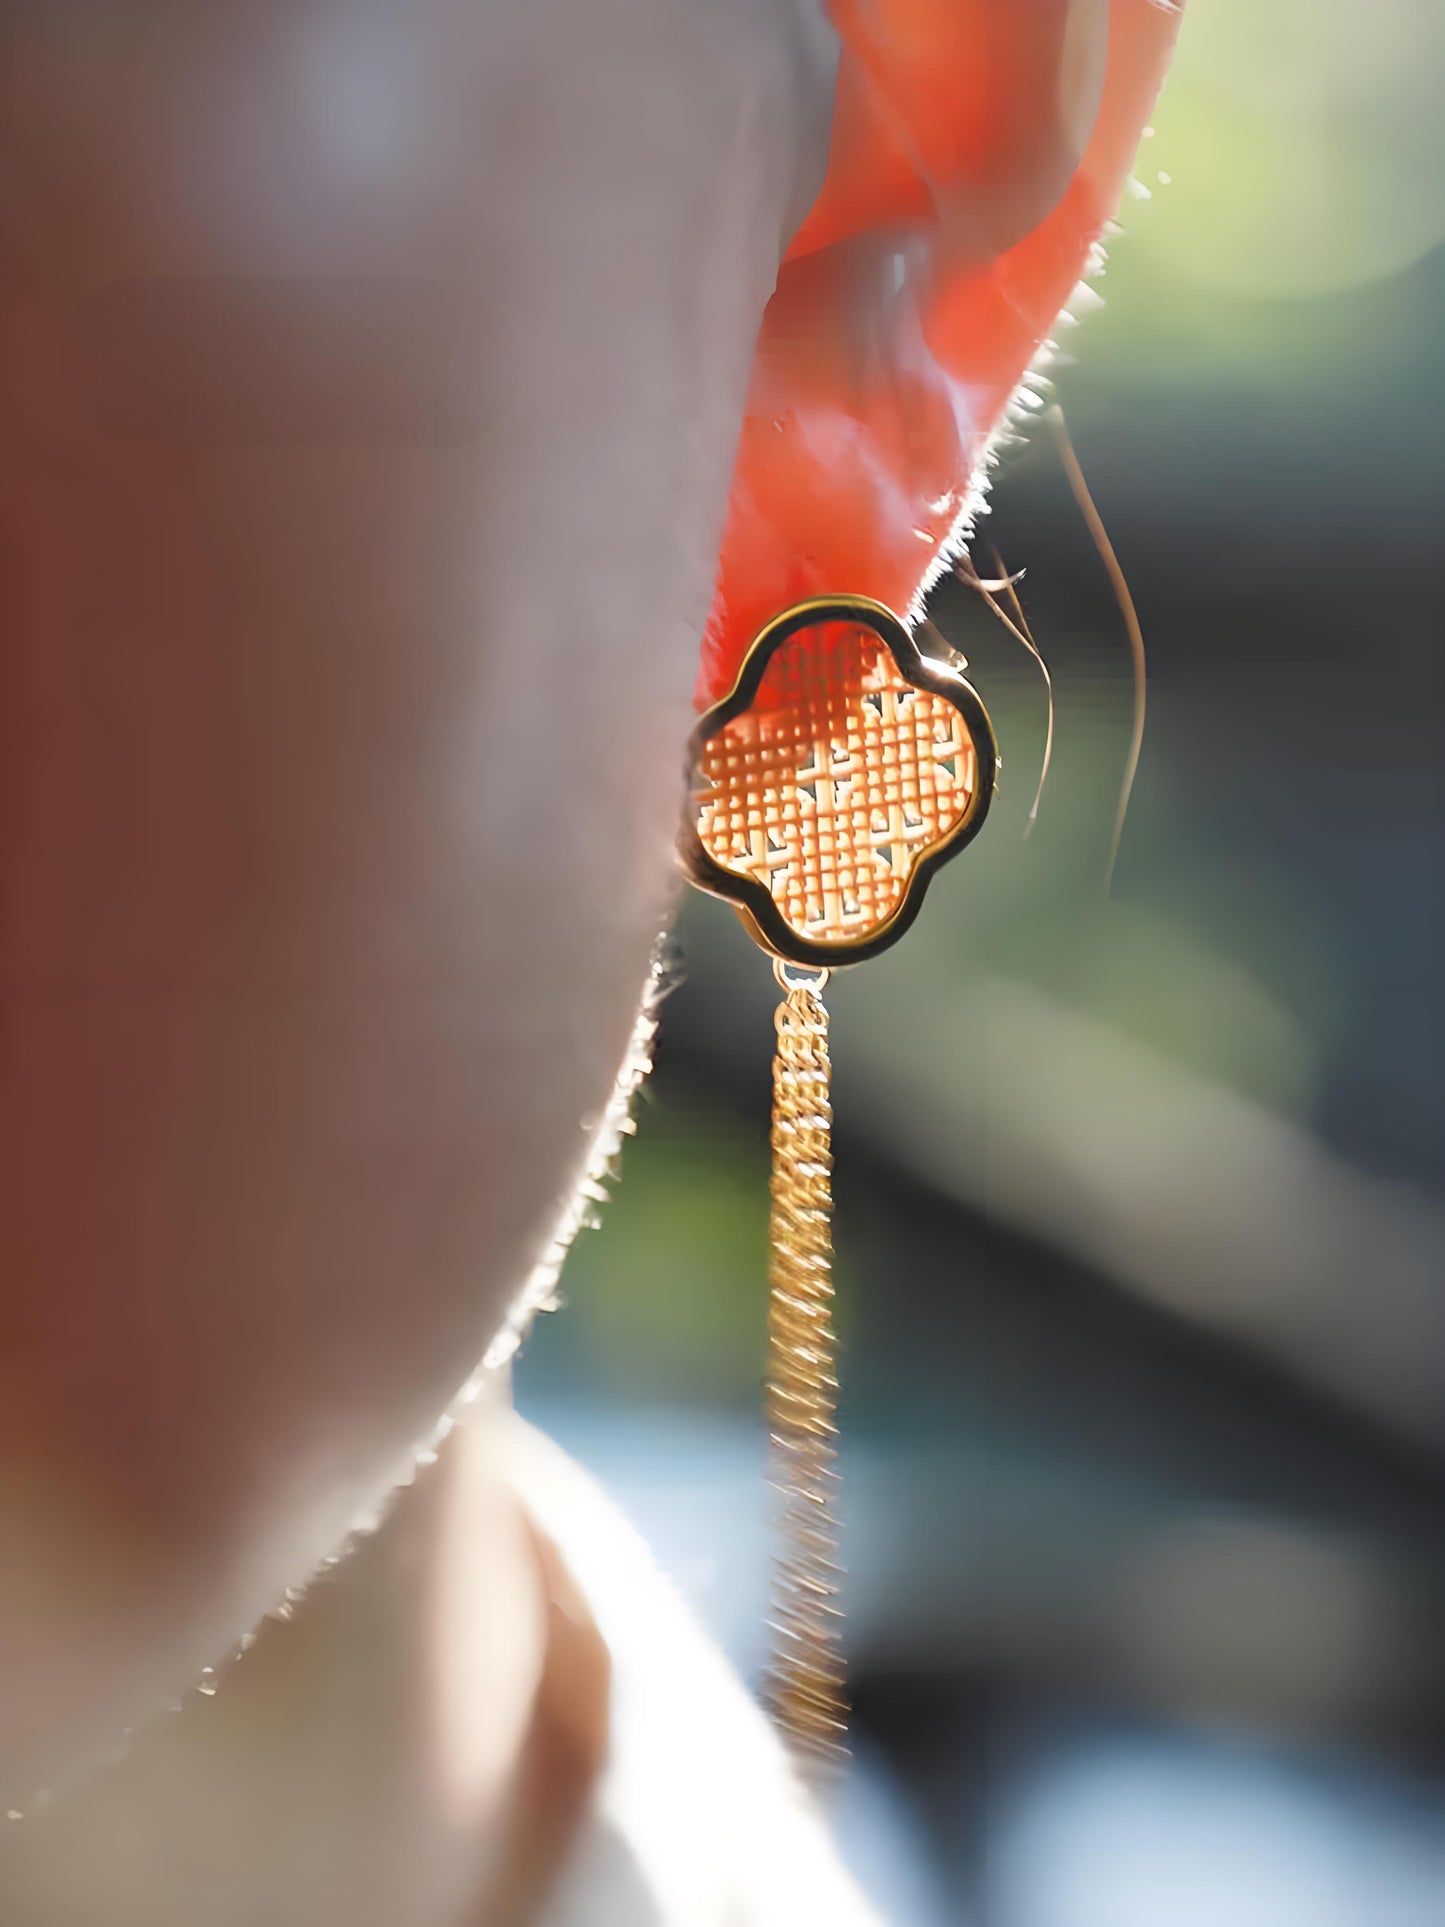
x=806 y=1682
x=825 y=789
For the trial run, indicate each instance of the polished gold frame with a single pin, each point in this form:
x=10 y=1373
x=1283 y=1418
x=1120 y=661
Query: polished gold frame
x=750 y=898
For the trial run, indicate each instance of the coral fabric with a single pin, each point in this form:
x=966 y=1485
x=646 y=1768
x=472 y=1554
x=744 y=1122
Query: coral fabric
x=979 y=149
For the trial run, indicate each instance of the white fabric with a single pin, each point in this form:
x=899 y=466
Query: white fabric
x=700 y=1822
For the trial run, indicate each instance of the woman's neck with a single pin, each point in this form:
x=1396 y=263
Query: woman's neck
x=358 y=1766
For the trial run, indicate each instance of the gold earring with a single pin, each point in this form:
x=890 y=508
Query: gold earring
x=824 y=792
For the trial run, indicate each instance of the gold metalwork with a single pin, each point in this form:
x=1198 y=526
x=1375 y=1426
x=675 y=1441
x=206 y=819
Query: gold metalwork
x=806 y=1684
x=841 y=770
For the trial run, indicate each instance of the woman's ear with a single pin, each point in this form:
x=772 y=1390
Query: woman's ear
x=971 y=112
x=979 y=149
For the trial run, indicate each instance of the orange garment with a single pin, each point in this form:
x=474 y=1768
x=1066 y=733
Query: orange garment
x=979 y=148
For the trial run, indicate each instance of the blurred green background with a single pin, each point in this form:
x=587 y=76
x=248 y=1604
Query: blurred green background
x=1142 y=1200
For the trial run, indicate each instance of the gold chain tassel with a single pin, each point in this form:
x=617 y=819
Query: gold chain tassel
x=806 y=1683
x=842 y=768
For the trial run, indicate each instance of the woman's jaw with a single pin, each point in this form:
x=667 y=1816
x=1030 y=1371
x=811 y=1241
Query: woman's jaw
x=371 y=390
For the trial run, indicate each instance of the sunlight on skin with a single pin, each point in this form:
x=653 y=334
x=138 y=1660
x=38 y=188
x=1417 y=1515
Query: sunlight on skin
x=371 y=387
x=367 y=1741
x=367 y=439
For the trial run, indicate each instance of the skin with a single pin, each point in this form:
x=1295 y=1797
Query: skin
x=370 y=382
x=372 y=375
x=359 y=1767
x=979 y=148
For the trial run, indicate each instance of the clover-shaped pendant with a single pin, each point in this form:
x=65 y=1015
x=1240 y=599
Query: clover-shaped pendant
x=826 y=789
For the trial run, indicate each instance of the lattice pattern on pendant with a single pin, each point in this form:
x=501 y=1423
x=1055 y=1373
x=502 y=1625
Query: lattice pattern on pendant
x=834 y=783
